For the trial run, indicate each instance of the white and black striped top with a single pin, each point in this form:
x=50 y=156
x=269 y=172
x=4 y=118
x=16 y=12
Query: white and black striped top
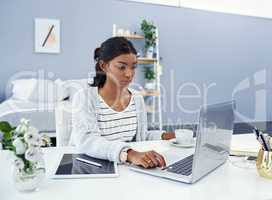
x=115 y=125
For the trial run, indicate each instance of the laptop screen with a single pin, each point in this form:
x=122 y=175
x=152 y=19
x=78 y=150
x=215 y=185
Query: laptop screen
x=213 y=137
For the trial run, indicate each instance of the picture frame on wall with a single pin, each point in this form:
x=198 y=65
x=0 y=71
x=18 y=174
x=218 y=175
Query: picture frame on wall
x=47 y=35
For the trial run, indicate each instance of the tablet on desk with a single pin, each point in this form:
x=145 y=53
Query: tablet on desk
x=83 y=166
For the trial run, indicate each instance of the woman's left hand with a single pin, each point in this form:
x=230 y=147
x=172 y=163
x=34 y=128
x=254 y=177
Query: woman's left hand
x=168 y=135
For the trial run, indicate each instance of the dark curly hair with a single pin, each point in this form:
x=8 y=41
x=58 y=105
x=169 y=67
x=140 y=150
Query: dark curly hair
x=110 y=49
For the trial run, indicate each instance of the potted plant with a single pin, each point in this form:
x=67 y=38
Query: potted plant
x=149 y=31
x=24 y=141
x=149 y=75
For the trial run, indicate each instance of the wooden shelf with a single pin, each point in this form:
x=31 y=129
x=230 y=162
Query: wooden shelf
x=143 y=60
x=151 y=97
x=150 y=93
x=140 y=37
x=149 y=109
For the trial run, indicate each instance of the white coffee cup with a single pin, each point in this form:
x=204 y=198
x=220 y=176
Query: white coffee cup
x=184 y=136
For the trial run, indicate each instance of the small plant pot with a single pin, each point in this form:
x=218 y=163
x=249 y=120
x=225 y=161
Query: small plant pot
x=149 y=52
x=150 y=86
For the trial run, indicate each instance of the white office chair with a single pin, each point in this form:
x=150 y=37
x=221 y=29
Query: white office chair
x=63 y=112
x=63 y=116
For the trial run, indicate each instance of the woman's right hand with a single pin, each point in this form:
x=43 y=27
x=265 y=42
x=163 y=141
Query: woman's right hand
x=149 y=159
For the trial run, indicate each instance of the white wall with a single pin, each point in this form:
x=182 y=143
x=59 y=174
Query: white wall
x=196 y=46
x=258 y=8
x=160 y=2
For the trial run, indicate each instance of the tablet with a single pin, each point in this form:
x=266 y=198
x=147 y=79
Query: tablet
x=83 y=166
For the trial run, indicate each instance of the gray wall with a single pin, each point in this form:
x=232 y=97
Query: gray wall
x=197 y=47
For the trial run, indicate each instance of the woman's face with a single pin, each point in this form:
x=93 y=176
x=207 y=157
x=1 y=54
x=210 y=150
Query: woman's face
x=121 y=70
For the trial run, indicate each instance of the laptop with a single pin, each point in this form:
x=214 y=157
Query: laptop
x=213 y=139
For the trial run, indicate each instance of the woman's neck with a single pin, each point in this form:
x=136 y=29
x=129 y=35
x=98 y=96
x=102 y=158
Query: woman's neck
x=112 y=92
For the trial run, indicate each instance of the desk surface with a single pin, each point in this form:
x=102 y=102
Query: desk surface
x=225 y=183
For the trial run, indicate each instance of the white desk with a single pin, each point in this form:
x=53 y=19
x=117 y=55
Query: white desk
x=225 y=183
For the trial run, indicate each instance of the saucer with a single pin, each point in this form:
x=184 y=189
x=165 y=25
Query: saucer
x=173 y=142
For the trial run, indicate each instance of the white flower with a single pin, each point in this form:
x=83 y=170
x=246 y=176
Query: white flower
x=19 y=164
x=45 y=140
x=21 y=128
x=39 y=141
x=33 y=130
x=25 y=121
x=32 y=154
x=19 y=145
x=32 y=137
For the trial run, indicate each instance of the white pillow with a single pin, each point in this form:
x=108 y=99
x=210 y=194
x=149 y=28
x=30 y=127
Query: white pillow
x=45 y=90
x=23 y=88
x=39 y=90
x=51 y=91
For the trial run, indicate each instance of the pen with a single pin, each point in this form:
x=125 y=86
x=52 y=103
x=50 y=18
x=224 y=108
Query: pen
x=264 y=142
x=89 y=162
x=256 y=131
x=267 y=141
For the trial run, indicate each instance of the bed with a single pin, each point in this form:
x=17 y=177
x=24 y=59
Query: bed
x=36 y=100
x=41 y=115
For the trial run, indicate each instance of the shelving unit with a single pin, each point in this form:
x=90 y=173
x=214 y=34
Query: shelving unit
x=149 y=109
x=146 y=61
x=150 y=93
x=152 y=97
x=134 y=36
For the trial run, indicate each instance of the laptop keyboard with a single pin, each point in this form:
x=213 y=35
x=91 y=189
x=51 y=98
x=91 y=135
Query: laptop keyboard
x=183 y=167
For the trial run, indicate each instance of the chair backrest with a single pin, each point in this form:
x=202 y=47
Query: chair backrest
x=63 y=116
x=63 y=111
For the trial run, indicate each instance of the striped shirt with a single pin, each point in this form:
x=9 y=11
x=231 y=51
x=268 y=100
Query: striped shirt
x=116 y=125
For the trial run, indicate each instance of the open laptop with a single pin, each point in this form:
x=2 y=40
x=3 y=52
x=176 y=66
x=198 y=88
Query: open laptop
x=212 y=148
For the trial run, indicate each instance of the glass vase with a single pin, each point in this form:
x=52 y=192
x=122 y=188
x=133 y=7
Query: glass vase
x=28 y=181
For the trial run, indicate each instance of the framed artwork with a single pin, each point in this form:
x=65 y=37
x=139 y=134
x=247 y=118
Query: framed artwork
x=47 y=35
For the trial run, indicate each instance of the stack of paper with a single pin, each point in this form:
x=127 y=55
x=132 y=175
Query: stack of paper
x=244 y=145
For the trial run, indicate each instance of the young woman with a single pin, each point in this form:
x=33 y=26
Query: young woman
x=108 y=114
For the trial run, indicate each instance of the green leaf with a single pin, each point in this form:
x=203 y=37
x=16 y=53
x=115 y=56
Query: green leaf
x=10 y=147
x=149 y=73
x=5 y=127
x=7 y=141
x=7 y=136
x=149 y=33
